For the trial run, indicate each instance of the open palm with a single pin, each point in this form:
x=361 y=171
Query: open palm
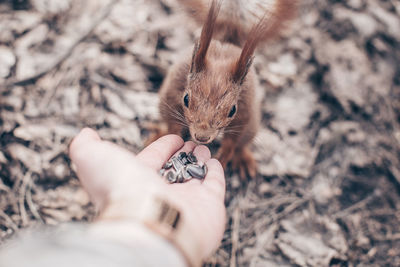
x=112 y=174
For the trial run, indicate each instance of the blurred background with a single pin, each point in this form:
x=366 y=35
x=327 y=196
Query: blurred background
x=328 y=188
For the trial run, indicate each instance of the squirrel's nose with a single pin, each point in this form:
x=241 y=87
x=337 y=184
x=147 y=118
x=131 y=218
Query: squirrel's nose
x=201 y=139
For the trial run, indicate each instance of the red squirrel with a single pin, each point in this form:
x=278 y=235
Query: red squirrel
x=213 y=90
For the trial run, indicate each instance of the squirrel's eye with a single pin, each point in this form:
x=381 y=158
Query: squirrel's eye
x=186 y=100
x=232 y=112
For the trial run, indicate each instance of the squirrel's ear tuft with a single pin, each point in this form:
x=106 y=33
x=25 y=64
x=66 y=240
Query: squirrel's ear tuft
x=195 y=51
x=201 y=47
x=241 y=70
x=242 y=65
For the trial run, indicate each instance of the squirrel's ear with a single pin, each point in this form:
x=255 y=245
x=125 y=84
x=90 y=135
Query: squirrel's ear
x=201 y=47
x=195 y=50
x=241 y=69
x=256 y=34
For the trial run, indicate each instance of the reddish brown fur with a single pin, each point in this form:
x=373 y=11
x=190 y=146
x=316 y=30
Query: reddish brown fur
x=268 y=27
x=200 y=50
x=216 y=79
x=234 y=32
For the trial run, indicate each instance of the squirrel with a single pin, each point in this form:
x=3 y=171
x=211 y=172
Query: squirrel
x=212 y=91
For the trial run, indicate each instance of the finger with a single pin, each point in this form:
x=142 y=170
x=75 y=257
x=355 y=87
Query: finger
x=158 y=152
x=215 y=178
x=187 y=147
x=105 y=169
x=202 y=153
x=85 y=135
x=87 y=152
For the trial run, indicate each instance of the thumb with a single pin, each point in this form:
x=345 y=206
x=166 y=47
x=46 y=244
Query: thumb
x=105 y=168
x=215 y=179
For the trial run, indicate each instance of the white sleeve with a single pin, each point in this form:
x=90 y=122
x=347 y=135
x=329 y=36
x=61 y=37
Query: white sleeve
x=98 y=245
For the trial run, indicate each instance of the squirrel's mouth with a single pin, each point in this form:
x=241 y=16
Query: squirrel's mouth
x=204 y=139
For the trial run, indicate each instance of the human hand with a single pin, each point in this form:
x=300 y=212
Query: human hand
x=111 y=174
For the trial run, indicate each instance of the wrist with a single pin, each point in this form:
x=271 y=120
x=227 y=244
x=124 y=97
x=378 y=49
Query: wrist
x=159 y=216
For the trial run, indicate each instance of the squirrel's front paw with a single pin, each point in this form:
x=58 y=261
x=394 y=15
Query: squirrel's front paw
x=244 y=162
x=224 y=156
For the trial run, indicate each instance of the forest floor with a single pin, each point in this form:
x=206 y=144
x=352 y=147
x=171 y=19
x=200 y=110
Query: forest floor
x=328 y=188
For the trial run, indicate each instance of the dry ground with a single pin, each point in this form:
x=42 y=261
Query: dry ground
x=328 y=189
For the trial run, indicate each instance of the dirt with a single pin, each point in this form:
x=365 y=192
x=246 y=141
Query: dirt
x=328 y=188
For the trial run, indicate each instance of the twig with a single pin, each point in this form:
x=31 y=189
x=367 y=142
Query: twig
x=235 y=235
x=389 y=237
x=29 y=200
x=50 y=94
x=357 y=205
x=21 y=199
x=289 y=209
x=3 y=187
x=9 y=221
x=273 y=201
x=100 y=80
x=263 y=242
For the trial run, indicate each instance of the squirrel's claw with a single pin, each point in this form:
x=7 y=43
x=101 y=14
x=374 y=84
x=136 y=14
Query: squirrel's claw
x=225 y=153
x=244 y=163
